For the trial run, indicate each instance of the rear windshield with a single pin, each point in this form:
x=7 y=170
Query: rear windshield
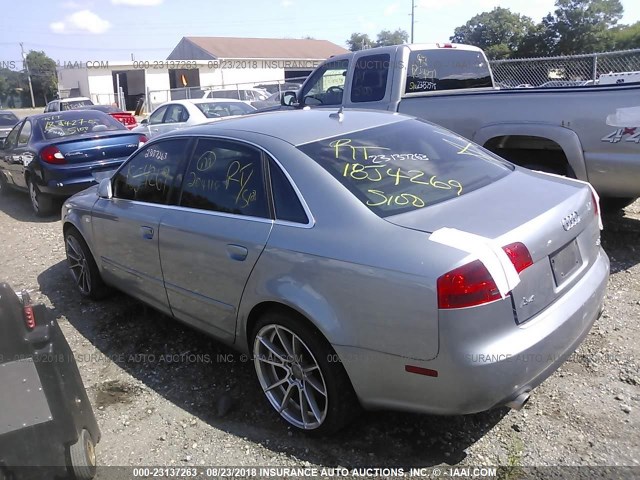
x=446 y=69
x=77 y=123
x=8 y=119
x=406 y=165
x=224 y=109
x=74 y=104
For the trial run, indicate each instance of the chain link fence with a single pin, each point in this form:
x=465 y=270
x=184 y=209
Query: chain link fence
x=256 y=93
x=566 y=71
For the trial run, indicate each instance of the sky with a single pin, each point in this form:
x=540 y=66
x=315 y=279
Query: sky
x=72 y=31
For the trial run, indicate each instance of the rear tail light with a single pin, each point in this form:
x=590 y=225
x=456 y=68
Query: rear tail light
x=142 y=140
x=445 y=45
x=519 y=256
x=29 y=317
x=52 y=155
x=27 y=310
x=472 y=284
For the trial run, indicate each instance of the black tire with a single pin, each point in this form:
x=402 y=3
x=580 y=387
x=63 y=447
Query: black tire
x=335 y=408
x=3 y=190
x=83 y=268
x=614 y=204
x=41 y=203
x=82 y=456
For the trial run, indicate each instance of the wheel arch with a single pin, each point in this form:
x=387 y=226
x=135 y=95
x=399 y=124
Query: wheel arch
x=537 y=136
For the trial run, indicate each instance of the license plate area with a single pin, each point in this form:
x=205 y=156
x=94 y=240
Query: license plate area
x=565 y=262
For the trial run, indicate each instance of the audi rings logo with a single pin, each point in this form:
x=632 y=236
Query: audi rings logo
x=570 y=221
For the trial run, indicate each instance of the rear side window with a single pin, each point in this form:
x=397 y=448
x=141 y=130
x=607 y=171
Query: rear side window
x=225 y=177
x=149 y=175
x=287 y=203
x=446 y=69
x=370 y=78
x=407 y=165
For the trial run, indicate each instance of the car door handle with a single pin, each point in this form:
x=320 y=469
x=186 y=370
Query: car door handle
x=147 y=233
x=237 y=252
x=155 y=129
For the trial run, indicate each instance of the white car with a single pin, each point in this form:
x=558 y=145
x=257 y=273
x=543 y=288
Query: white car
x=247 y=95
x=186 y=113
x=64 y=104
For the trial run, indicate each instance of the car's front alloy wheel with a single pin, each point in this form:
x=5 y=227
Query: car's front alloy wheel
x=295 y=369
x=83 y=267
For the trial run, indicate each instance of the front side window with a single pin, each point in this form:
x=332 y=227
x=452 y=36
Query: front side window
x=156 y=117
x=149 y=175
x=446 y=69
x=406 y=165
x=12 y=139
x=225 y=177
x=327 y=84
x=370 y=78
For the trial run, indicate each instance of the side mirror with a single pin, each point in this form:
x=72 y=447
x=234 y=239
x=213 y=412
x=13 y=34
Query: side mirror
x=144 y=121
x=104 y=189
x=289 y=99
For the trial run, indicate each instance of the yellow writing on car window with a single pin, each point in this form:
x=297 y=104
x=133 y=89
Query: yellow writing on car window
x=363 y=150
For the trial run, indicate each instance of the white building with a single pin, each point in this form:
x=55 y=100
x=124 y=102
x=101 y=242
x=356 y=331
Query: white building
x=194 y=64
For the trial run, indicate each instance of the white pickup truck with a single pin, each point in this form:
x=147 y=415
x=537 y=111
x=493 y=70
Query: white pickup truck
x=591 y=133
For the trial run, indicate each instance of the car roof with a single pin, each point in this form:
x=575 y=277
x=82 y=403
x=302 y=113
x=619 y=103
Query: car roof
x=194 y=101
x=73 y=99
x=299 y=126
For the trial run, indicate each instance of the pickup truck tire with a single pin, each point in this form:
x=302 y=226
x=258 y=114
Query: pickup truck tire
x=82 y=455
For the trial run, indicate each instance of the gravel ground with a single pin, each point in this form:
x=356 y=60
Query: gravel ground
x=166 y=395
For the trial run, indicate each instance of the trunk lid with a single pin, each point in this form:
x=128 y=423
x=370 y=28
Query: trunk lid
x=553 y=217
x=92 y=148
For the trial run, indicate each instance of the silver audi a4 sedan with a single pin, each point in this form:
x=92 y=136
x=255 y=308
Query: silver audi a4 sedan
x=361 y=259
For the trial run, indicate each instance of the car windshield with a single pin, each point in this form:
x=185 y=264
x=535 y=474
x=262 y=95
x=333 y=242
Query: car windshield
x=74 y=104
x=8 y=119
x=224 y=109
x=406 y=165
x=77 y=123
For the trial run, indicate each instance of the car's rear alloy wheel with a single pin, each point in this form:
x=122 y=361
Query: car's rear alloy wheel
x=83 y=267
x=297 y=372
x=40 y=203
x=83 y=457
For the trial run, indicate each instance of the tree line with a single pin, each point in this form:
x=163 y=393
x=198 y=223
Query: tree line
x=14 y=84
x=574 y=27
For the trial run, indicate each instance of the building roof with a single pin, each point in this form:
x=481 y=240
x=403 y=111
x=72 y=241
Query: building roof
x=211 y=48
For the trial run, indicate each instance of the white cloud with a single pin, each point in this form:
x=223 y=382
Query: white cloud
x=72 y=5
x=391 y=9
x=84 y=21
x=286 y=3
x=137 y=3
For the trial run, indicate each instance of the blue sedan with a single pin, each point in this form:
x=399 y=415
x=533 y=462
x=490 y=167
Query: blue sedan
x=55 y=155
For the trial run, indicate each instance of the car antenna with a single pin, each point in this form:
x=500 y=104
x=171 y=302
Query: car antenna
x=339 y=114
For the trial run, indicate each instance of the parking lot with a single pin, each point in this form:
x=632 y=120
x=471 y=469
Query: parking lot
x=166 y=395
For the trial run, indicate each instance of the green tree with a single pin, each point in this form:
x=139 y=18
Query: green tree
x=359 y=41
x=498 y=32
x=43 y=76
x=581 y=26
x=627 y=37
x=387 y=37
x=12 y=83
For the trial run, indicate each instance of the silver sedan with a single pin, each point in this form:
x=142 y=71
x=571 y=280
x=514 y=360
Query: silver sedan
x=361 y=258
x=179 y=114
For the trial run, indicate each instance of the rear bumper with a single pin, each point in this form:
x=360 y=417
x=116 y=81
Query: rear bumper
x=67 y=180
x=475 y=370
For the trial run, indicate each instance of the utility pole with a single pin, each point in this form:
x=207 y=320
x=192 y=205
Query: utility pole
x=413 y=8
x=26 y=66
